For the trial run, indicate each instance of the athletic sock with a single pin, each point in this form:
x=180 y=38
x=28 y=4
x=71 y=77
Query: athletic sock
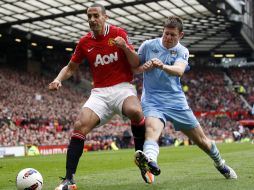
x=74 y=152
x=151 y=149
x=138 y=131
x=215 y=154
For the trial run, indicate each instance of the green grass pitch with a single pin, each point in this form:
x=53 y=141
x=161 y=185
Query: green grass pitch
x=183 y=168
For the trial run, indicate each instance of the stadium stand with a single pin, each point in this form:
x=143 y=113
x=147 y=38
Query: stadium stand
x=29 y=114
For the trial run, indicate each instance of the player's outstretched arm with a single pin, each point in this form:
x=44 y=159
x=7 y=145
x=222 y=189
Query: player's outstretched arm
x=64 y=74
x=177 y=69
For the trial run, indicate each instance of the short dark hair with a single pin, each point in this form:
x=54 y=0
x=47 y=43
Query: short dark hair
x=174 y=22
x=103 y=10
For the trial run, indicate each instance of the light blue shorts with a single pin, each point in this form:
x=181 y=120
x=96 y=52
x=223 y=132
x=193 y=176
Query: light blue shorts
x=181 y=119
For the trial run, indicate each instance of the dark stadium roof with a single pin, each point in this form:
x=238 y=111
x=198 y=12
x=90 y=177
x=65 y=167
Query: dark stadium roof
x=206 y=29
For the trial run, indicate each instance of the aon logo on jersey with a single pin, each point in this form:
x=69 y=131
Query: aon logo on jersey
x=105 y=59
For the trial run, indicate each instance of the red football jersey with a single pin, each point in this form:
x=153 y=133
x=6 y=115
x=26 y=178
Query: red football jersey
x=108 y=63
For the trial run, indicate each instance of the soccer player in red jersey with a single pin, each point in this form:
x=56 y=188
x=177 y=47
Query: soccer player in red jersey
x=111 y=58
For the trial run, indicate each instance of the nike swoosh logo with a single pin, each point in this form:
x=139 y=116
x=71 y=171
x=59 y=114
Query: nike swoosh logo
x=90 y=49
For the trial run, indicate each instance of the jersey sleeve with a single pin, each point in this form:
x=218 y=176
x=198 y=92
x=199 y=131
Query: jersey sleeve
x=78 y=55
x=142 y=52
x=183 y=55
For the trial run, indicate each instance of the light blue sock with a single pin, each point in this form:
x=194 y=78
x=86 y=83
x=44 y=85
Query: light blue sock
x=151 y=149
x=215 y=154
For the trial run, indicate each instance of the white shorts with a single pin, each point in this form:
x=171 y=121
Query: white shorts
x=106 y=102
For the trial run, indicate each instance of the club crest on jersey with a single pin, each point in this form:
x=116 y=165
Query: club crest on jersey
x=105 y=59
x=173 y=53
x=185 y=56
x=110 y=41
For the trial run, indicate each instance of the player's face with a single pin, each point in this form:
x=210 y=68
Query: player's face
x=171 y=36
x=96 y=19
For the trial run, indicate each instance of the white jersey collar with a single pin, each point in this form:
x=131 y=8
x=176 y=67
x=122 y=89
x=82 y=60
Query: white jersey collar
x=106 y=31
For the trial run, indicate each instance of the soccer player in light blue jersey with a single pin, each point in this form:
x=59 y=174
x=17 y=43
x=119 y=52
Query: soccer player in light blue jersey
x=163 y=61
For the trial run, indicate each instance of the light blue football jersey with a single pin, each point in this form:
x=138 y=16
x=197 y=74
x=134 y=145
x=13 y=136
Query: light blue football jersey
x=159 y=88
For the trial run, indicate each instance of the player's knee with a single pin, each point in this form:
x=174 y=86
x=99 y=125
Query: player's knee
x=135 y=114
x=152 y=132
x=151 y=129
x=80 y=127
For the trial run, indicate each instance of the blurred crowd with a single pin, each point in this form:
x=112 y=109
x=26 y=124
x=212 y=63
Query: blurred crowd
x=208 y=90
x=30 y=114
x=243 y=79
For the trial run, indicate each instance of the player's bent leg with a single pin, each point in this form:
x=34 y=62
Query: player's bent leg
x=86 y=121
x=198 y=137
x=208 y=146
x=132 y=109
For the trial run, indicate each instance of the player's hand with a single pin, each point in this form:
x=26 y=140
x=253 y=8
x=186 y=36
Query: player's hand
x=157 y=63
x=55 y=85
x=147 y=66
x=120 y=42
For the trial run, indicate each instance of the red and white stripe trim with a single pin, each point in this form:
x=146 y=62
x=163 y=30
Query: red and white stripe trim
x=140 y=123
x=78 y=135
